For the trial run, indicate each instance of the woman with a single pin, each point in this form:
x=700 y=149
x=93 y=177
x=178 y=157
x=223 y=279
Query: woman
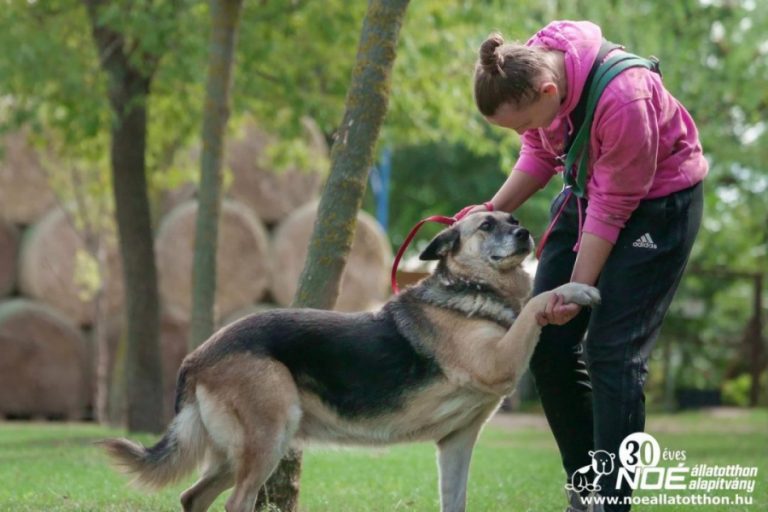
x=629 y=232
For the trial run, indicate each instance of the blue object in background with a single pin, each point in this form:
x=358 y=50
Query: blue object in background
x=380 y=180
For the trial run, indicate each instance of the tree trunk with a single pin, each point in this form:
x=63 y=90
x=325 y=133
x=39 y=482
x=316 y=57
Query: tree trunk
x=100 y=341
x=143 y=371
x=225 y=16
x=351 y=159
x=128 y=88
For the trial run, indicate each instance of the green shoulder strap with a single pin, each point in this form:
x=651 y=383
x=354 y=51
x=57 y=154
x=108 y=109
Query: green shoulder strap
x=575 y=173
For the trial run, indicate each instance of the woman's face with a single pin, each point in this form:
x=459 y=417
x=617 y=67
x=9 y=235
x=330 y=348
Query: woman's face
x=537 y=114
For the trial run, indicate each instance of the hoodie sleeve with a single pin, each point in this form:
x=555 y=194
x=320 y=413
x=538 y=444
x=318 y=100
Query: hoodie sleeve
x=534 y=159
x=624 y=170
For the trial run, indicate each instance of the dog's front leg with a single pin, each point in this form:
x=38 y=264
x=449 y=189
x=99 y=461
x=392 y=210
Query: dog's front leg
x=454 y=456
x=516 y=347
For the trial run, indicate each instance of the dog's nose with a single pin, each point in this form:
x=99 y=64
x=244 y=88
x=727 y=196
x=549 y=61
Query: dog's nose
x=522 y=234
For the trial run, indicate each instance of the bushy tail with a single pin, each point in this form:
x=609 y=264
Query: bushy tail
x=175 y=455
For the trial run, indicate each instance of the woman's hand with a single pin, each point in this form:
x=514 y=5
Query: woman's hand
x=556 y=312
x=485 y=207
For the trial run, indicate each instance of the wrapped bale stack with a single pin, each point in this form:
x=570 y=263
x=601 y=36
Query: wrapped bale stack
x=47 y=313
x=44 y=368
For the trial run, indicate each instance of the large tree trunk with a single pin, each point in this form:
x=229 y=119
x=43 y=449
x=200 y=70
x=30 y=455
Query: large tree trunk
x=143 y=371
x=128 y=88
x=225 y=16
x=351 y=159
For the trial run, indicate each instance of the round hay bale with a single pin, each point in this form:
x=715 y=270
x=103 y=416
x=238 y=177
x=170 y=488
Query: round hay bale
x=51 y=256
x=273 y=194
x=242 y=262
x=24 y=191
x=9 y=250
x=366 y=275
x=44 y=365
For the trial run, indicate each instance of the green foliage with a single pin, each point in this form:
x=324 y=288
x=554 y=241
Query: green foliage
x=44 y=78
x=295 y=59
x=736 y=390
x=87 y=275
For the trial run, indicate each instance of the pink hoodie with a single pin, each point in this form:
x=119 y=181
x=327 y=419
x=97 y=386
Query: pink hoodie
x=643 y=144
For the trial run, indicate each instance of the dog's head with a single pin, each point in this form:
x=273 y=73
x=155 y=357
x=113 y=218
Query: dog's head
x=481 y=246
x=602 y=462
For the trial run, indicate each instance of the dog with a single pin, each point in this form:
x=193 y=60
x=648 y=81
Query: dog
x=433 y=364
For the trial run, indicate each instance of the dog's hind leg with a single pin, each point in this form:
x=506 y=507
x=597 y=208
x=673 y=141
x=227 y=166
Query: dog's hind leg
x=250 y=406
x=454 y=456
x=260 y=456
x=216 y=479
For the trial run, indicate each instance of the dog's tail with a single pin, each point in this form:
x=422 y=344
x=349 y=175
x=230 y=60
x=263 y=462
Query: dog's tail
x=175 y=455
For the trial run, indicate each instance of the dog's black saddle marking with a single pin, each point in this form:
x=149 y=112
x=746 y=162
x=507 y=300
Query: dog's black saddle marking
x=359 y=364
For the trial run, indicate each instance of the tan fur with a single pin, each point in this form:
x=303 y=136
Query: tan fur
x=251 y=408
x=241 y=411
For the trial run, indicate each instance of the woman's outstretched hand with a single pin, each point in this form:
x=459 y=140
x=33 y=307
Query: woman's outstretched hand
x=556 y=312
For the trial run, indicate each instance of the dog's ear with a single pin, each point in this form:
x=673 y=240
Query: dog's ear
x=441 y=245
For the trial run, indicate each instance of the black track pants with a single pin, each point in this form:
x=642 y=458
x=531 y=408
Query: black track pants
x=592 y=392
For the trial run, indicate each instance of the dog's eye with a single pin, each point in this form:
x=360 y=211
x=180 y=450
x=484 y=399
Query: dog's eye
x=486 y=226
x=512 y=220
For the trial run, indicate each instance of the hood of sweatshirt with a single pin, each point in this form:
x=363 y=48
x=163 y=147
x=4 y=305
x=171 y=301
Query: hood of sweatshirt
x=580 y=41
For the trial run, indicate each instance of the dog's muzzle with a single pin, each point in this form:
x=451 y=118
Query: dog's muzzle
x=519 y=243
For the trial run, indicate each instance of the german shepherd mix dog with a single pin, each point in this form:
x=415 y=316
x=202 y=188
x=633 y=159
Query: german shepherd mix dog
x=433 y=364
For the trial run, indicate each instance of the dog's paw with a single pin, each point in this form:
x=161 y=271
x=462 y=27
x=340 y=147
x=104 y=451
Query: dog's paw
x=577 y=293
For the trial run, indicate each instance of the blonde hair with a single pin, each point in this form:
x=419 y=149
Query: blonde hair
x=507 y=72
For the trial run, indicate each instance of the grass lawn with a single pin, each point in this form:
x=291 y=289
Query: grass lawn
x=55 y=467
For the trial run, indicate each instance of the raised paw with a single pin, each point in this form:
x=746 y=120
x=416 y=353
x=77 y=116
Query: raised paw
x=577 y=293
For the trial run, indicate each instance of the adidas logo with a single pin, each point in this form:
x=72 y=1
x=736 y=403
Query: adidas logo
x=645 y=241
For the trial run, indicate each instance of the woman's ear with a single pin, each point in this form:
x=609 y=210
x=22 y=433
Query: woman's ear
x=548 y=89
x=446 y=241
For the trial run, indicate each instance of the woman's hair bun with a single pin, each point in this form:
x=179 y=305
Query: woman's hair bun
x=491 y=60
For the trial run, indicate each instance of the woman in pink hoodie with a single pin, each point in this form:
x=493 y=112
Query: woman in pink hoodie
x=629 y=232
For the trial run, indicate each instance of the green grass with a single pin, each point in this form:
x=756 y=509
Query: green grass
x=56 y=467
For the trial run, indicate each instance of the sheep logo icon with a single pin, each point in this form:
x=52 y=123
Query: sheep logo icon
x=602 y=464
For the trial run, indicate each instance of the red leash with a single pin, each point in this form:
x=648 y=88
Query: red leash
x=552 y=223
x=448 y=221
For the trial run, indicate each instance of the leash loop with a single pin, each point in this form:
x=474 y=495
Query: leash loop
x=448 y=221
x=441 y=219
